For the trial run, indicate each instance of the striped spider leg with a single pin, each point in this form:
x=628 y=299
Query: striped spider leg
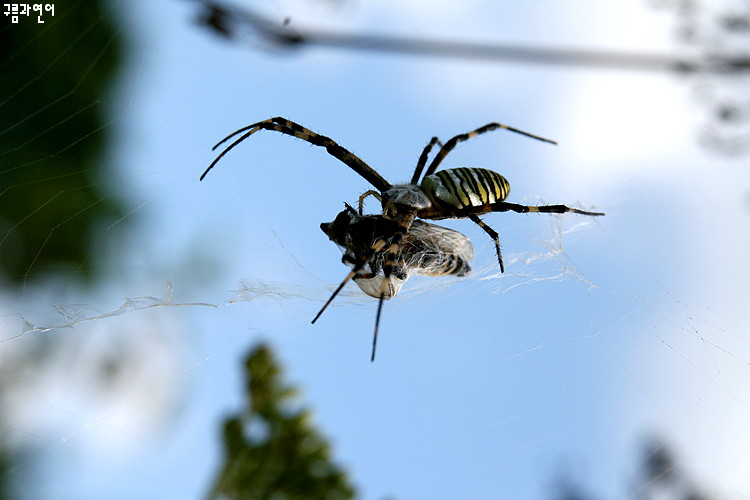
x=287 y=127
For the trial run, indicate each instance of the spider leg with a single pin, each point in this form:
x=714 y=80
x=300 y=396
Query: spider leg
x=228 y=149
x=472 y=212
x=503 y=206
x=376 y=247
x=464 y=137
x=377 y=325
x=493 y=234
x=423 y=159
x=387 y=270
x=364 y=195
x=288 y=127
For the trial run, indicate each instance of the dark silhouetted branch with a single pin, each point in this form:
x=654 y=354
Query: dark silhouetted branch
x=230 y=21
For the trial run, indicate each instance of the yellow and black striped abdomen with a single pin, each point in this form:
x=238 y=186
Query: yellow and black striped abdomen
x=466 y=187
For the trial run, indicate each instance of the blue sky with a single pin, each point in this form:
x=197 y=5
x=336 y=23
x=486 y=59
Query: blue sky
x=600 y=332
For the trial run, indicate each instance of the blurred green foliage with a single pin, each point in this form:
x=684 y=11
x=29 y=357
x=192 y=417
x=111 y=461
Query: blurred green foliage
x=271 y=450
x=54 y=193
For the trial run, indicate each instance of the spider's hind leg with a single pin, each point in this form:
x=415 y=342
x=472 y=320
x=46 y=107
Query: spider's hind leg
x=504 y=206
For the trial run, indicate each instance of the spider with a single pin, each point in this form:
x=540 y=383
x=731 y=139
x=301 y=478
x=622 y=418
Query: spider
x=426 y=250
x=450 y=193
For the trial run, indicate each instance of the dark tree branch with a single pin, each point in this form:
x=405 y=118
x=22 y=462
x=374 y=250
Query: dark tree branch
x=229 y=21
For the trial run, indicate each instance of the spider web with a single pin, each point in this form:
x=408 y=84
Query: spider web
x=121 y=361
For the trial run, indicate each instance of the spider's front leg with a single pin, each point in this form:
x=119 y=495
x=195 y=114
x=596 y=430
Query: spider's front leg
x=288 y=127
x=360 y=263
x=390 y=258
x=364 y=196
